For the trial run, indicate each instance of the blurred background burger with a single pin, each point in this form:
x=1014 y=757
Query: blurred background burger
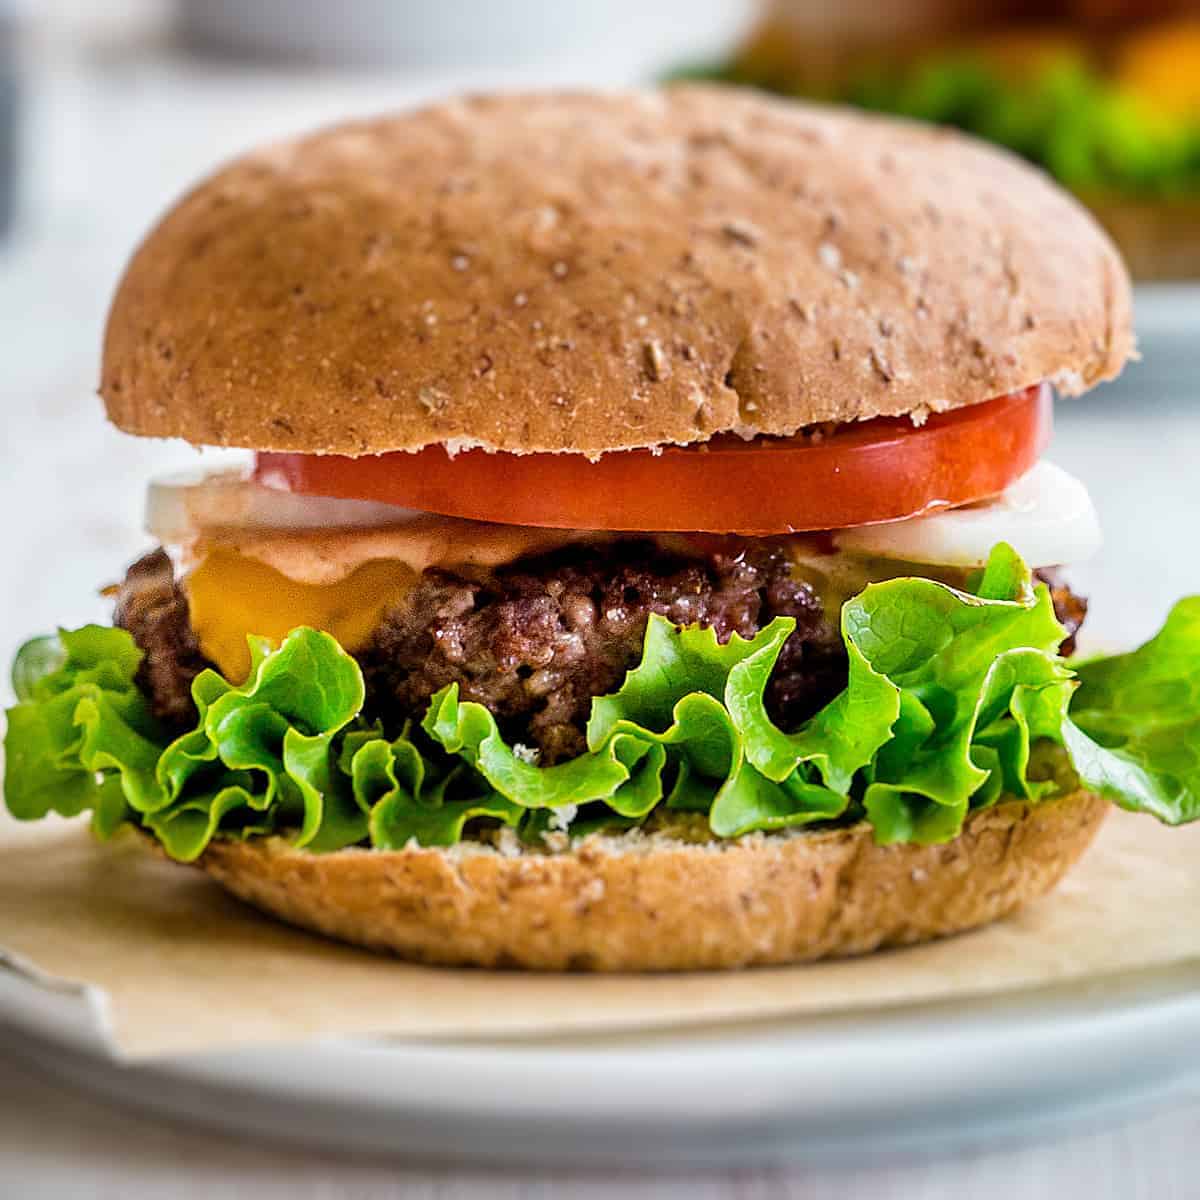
x=1104 y=94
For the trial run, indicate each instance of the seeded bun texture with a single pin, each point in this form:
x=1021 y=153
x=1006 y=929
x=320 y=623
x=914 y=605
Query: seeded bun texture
x=658 y=902
x=590 y=272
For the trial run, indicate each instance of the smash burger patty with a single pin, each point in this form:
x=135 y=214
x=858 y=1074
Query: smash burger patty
x=535 y=641
x=548 y=397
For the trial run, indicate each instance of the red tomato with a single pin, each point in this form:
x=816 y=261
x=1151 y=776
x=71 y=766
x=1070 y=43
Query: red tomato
x=878 y=470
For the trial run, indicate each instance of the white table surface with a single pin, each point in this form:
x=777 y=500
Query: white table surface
x=115 y=139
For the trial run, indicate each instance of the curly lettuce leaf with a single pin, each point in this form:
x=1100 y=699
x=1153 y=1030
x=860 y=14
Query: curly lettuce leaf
x=1134 y=727
x=36 y=660
x=958 y=659
x=625 y=773
x=1091 y=131
x=409 y=800
x=50 y=757
x=839 y=741
x=748 y=802
x=690 y=694
x=948 y=692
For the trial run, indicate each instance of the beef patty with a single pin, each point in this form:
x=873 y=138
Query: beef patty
x=535 y=641
x=153 y=607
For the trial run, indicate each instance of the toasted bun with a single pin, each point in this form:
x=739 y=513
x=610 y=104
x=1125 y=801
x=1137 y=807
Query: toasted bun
x=636 y=903
x=588 y=272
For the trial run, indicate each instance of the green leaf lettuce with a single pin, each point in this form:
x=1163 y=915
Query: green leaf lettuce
x=948 y=692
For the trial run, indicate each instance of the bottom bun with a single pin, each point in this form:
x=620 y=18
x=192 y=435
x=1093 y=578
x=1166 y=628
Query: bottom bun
x=664 y=901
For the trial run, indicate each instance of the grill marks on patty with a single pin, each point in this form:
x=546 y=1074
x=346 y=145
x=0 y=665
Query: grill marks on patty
x=535 y=641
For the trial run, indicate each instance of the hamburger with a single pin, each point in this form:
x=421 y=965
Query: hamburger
x=647 y=560
x=1103 y=94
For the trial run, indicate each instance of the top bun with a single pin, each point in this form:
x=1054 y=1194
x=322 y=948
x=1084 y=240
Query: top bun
x=592 y=272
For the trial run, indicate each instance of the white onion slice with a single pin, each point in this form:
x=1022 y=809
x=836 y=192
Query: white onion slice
x=179 y=506
x=1047 y=516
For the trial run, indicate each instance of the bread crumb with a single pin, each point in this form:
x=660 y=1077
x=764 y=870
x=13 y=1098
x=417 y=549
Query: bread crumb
x=591 y=893
x=657 y=367
x=432 y=399
x=1068 y=381
x=456 y=445
x=526 y=754
x=883 y=368
x=507 y=842
x=741 y=232
x=561 y=817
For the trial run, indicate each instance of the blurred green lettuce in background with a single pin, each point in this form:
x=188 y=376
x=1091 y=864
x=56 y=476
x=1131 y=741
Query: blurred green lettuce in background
x=1092 y=134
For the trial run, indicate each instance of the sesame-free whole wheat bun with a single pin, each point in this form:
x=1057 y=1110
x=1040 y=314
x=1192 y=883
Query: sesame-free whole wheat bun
x=587 y=272
x=639 y=902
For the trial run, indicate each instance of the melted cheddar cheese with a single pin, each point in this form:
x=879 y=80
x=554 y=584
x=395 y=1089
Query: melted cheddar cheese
x=231 y=595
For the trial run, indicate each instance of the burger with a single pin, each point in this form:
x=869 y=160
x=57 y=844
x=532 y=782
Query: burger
x=1103 y=94
x=647 y=560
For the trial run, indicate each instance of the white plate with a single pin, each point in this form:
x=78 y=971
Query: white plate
x=854 y=1085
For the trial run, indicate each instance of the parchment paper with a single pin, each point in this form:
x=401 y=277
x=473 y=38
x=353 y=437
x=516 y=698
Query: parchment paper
x=186 y=968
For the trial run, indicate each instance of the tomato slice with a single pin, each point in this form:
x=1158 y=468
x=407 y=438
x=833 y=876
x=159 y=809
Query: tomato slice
x=880 y=470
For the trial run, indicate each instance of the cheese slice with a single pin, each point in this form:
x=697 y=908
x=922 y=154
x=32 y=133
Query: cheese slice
x=231 y=595
x=267 y=582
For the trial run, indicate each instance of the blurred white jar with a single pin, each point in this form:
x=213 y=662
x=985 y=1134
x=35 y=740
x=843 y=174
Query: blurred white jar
x=639 y=34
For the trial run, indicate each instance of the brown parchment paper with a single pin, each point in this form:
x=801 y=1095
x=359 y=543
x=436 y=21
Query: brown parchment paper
x=186 y=968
